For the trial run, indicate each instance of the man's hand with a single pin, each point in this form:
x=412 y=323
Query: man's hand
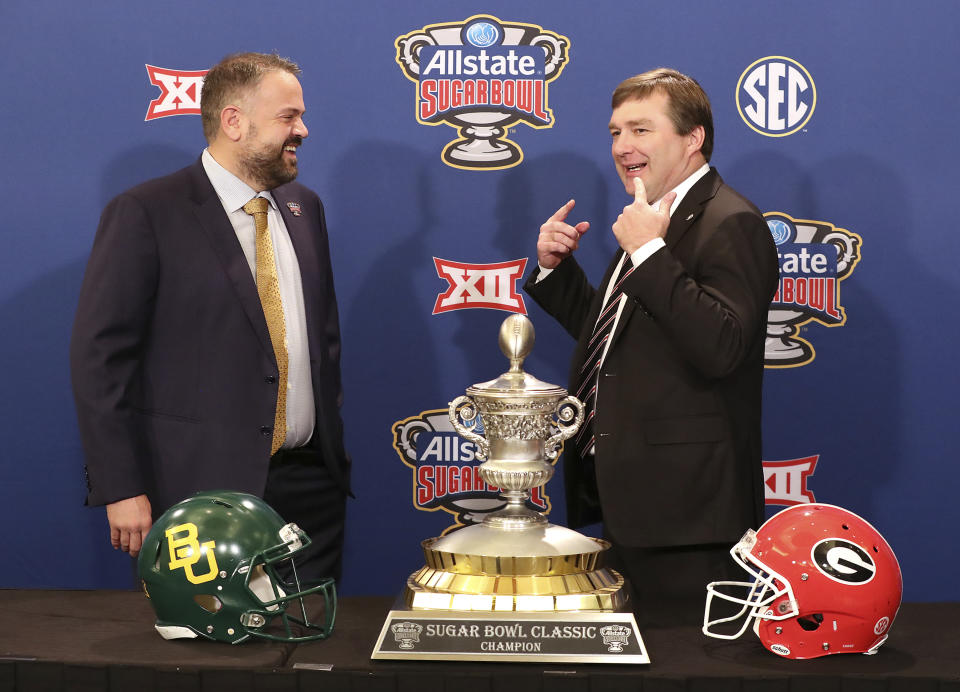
x=640 y=223
x=130 y=520
x=558 y=239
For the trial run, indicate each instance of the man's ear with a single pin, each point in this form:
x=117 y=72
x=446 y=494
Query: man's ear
x=695 y=138
x=230 y=122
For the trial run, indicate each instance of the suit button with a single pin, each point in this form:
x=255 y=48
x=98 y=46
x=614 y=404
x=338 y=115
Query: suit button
x=269 y=379
x=266 y=431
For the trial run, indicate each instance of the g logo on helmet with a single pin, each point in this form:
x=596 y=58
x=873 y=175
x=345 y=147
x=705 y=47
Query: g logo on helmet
x=843 y=561
x=186 y=551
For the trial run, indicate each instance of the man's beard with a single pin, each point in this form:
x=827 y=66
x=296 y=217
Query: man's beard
x=267 y=166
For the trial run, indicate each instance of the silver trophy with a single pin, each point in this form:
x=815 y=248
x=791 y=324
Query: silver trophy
x=525 y=422
x=514 y=585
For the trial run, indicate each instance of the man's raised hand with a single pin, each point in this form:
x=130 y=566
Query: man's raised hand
x=640 y=223
x=558 y=239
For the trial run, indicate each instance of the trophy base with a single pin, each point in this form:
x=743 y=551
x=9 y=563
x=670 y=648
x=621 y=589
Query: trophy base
x=540 y=569
x=559 y=637
x=537 y=594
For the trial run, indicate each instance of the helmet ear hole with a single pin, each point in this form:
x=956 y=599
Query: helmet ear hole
x=209 y=603
x=810 y=623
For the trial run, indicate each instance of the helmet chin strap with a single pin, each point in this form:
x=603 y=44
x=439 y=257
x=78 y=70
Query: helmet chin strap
x=263 y=587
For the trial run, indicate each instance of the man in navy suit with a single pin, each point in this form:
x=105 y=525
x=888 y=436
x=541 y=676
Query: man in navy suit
x=175 y=374
x=669 y=351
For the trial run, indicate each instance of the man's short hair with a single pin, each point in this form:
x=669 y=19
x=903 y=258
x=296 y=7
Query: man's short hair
x=689 y=105
x=230 y=79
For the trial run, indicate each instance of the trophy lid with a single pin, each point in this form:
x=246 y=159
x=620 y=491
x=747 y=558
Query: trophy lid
x=516 y=342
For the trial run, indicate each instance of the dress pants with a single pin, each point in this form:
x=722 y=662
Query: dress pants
x=301 y=490
x=668 y=585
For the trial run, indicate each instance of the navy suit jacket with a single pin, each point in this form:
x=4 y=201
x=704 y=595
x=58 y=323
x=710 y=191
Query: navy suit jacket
x=678 y=412
x=173 y=371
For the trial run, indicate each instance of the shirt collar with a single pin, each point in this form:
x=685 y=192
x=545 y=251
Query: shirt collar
x=232 y=191
x=683 y=188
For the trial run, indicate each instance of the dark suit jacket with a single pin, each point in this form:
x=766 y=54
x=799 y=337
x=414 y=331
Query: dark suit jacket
x=678 y=413
x=173 y=371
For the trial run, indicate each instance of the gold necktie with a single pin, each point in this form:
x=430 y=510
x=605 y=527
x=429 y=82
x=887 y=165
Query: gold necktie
x=268 y=287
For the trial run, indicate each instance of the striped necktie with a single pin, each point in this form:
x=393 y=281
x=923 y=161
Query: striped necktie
x=590 y=372
x=268 y=287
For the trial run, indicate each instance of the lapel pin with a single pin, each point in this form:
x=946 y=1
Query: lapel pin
x=690 y=217
x=294 y=208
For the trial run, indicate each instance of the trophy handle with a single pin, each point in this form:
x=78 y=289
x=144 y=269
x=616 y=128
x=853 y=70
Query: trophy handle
x=567 y=421
x=468 y=412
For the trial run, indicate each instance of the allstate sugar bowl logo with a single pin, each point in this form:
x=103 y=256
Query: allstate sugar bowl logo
x=776 y=96
x=481 y=76
x=815 y=256
x=446 y=470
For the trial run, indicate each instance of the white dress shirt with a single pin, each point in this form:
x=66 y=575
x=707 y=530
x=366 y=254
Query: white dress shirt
x=233 y=194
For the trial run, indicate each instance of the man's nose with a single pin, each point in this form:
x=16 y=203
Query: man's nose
x=622 y=146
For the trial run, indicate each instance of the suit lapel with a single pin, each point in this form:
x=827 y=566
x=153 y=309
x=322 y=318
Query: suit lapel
x=216 y=226
x=302 y=235
x=683 y=218
x=691 y=206
x=303 y=231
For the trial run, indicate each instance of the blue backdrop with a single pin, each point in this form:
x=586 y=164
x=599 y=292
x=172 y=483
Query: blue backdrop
x=833 y=117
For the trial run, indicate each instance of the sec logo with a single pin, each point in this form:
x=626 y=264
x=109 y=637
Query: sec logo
x=776 y=96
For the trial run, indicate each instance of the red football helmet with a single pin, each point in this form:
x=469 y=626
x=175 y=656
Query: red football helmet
x=825 y=582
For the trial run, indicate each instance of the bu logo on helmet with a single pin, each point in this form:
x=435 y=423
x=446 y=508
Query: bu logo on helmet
x=843 y=561
x=186 y=551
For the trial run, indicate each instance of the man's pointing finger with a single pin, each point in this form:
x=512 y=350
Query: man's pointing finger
x=562 y=212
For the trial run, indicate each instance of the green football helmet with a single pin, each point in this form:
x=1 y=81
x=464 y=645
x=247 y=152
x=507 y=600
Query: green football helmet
x=210 y=569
